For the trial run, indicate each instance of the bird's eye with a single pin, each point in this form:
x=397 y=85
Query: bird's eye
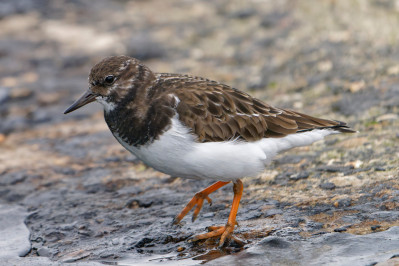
x=109 y=79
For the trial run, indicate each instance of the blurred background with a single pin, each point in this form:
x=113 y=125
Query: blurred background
x=316 y=56
x=337 y=59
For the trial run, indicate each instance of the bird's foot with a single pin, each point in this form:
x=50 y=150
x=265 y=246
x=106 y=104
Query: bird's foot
x=223 y=231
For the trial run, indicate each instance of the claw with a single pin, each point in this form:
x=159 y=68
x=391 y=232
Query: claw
x=209 y=200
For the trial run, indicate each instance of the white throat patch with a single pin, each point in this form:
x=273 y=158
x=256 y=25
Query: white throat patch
x=107 y=105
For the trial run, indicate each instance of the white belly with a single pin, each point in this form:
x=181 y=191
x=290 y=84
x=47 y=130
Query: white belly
x=176 y=153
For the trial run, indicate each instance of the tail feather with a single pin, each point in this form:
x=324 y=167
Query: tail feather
x=340 y=126
x=308 y=123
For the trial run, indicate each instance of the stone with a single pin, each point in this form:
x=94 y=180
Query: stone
x=327 y=186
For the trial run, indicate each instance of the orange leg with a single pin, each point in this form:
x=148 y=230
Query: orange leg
x=225 y=231
x=198 y=200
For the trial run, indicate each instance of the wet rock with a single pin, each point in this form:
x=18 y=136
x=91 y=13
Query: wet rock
x=249 y=215
x=327 y=186
x=105 y=255
x=46 y=252
x=52 y=235
x=95 y=188
x=272 y=212
x=135 y=203
x=143 y=242
x=298 y=176
x=80 y=255
x=14 y=240
x=319 y=209
x=14 y=197
x=295 y=222
x=68 y=227
x=275 y=242
x=351 y=219
x=343 y=203
x=375 y=227
x=13 y=178
x=313 y=226
x=289 y=233
x=335 y=168
x=340 y=229
x=343 y=249
x=385 y=215
x=4 y=192
x=88 y=233
x=282 y=178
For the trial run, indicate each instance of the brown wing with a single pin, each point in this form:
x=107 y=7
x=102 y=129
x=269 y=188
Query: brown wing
x=217 y=112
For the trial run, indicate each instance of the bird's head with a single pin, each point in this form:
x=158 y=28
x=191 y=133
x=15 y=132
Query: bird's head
x=113 y=80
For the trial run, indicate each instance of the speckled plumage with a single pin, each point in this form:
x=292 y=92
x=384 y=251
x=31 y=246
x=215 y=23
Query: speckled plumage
x=146 y=101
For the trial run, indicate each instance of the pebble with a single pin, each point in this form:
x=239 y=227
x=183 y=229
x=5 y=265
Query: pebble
x=375 y=227
x=143 y=242
x=343 y=203
x=135 y=203
x=341 y=229
x=334 y=168
x=45 y=252
x=298 y=176
x=327 y=186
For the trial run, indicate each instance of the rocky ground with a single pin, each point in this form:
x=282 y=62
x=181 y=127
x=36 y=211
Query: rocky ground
x=89 y=200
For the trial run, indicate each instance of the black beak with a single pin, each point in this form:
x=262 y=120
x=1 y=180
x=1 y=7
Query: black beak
x=86 y=98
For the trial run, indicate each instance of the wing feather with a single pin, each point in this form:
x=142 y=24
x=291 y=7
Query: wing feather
x=216 y=112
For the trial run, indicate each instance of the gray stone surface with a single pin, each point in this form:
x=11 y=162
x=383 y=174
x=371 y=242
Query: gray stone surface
x=14 y=240
x=329 y=249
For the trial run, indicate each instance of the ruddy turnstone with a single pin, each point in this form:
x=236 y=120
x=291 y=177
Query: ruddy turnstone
x=193 y=127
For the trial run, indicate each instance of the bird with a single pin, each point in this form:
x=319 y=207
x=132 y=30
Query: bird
x=193 y=127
